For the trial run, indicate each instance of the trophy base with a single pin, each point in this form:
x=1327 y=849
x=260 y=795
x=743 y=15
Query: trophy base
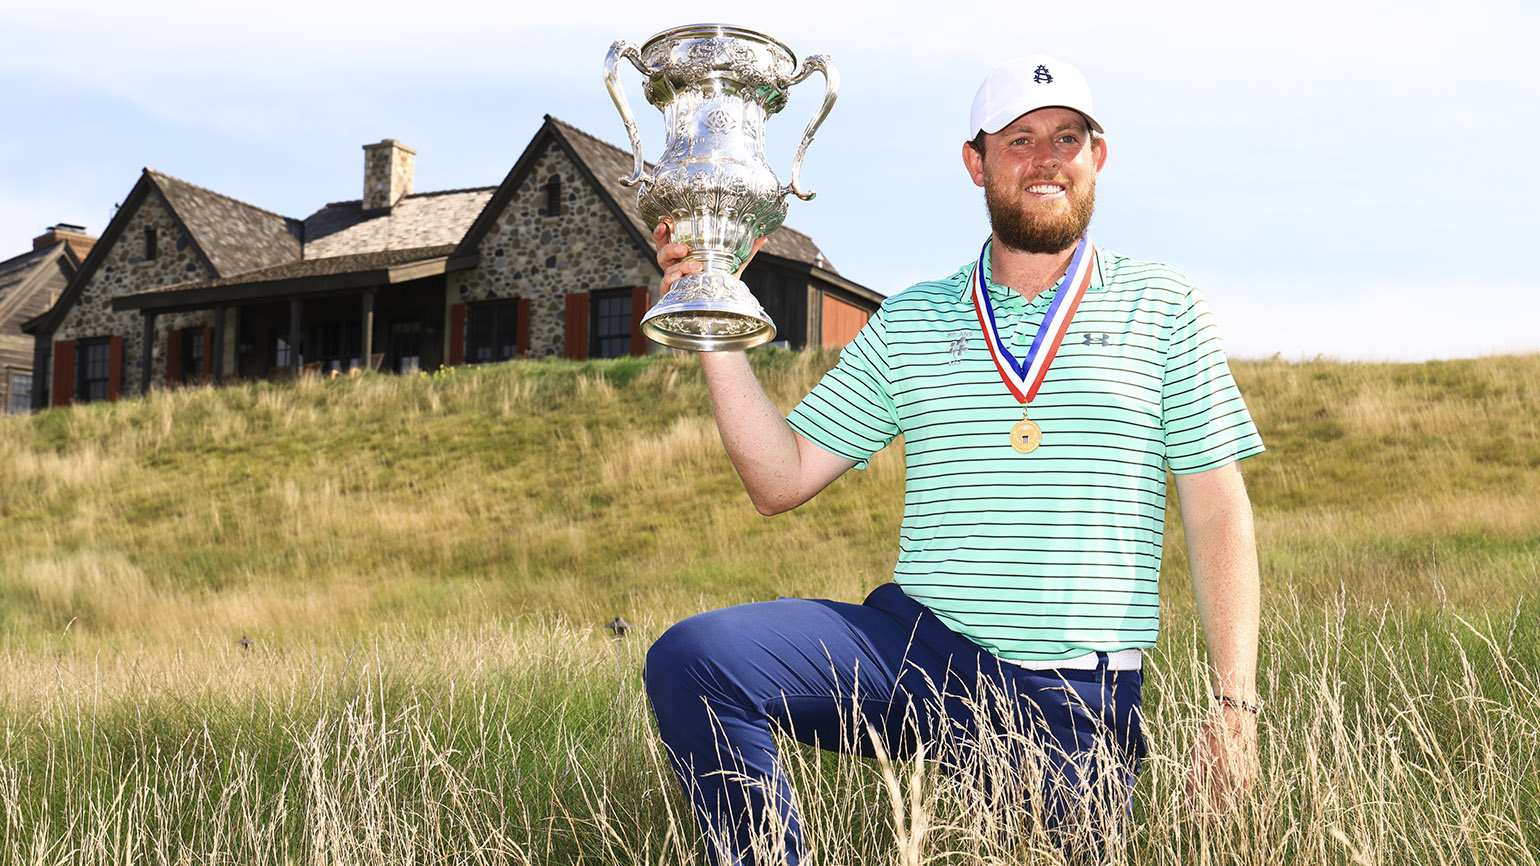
x=695 y=316
x=706 y=331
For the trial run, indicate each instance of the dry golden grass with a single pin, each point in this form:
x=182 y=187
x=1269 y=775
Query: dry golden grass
x=1386 y=740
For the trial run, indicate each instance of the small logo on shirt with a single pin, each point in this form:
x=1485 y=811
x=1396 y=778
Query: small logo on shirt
x=1042 y=76
x=959 y=346
x=1097 y=340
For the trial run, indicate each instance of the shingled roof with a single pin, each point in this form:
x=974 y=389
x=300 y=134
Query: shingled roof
x=19 y=274
x=235 y=236
x=420 y=220
x=342 y=244
x=15 y=271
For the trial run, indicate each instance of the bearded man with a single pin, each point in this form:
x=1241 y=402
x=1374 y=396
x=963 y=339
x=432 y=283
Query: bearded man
x=1043 y=391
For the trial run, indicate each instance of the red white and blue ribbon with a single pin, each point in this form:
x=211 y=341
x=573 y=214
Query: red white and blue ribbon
x=1024 y=377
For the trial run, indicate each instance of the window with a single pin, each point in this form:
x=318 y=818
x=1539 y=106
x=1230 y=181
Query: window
x=192 y=354
x=337 y=344
x=491 y=331
x=93 y=366
x=553 y=196
x=281 y=356
x=21 y=392
x=406 y=346
x=610 y=333
x=150 y=244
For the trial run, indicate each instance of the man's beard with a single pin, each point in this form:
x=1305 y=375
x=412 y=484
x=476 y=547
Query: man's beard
x=1034 y=233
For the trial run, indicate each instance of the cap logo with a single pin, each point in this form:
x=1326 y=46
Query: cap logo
x=1042 y=76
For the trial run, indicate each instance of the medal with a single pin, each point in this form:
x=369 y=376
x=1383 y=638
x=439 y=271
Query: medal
x=1023 y=379
x=1026 y=435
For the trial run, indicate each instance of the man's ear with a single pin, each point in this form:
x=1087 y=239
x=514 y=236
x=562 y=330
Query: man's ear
x=974 y=162
x=1099 y=152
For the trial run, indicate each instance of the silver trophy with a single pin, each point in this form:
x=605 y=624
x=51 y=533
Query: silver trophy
x=716 y=85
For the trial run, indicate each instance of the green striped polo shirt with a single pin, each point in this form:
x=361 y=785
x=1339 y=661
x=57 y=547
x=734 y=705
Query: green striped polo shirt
x=1056 y=553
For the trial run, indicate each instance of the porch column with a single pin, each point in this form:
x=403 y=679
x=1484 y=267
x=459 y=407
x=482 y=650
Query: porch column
x=294 y=364
x=219 y=346
x=146 y=352
x=367 y=323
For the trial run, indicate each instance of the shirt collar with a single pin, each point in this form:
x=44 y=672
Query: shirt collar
x=997 y=291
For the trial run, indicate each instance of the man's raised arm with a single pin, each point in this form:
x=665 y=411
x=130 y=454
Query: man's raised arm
x=779 y=468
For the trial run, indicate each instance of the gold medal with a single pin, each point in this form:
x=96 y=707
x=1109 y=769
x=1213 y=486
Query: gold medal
x=1026 y=435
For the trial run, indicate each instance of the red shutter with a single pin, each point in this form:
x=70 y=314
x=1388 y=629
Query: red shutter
x=207 y=373
x=521 y=329
x=115 y=369
x=63 y=372
x=639 y=303
x=173 y=356
x=456 y=335
x=577 y=326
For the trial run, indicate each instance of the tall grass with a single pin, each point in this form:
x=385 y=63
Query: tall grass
x=423 y=563
x=1386 y=740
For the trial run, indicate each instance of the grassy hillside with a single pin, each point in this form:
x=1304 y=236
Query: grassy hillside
x=538 y=488
x=587 y=490
x=424 y=563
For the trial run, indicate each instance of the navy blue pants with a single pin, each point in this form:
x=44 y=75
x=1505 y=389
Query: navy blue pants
x=827 y=672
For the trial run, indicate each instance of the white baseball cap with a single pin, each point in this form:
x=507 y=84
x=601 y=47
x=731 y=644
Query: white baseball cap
x=1025 y=84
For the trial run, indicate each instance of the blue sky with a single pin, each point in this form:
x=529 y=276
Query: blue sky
x=1351 y=179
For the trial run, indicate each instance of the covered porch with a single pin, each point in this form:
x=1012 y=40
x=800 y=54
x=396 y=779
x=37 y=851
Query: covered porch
x=376 y=315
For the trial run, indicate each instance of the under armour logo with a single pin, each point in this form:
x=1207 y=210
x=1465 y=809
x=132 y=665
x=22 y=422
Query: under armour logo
x=958 y=347
x=1042 y=76
x=1103 y=340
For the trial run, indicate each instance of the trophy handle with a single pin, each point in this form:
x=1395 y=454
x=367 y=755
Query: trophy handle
x=831 y=91
x=629 y=51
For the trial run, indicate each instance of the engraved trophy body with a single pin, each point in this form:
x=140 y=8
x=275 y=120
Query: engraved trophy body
x=716 y=86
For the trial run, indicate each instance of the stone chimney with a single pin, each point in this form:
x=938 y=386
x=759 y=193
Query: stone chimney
x=73 y=235
x=388 y=169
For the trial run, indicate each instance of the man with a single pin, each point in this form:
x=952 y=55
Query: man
x=1043 y=391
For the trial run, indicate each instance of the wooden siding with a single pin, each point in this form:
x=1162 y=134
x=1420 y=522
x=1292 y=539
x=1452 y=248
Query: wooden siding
x=18 y=350
x=841 y=321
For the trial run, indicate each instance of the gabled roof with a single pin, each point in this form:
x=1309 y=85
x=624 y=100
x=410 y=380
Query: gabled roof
x=49 y=321
x=344 y=247
x=21 y=275
x=420 y=220
x=603 y=164
x=229 y=235
x=234 y=236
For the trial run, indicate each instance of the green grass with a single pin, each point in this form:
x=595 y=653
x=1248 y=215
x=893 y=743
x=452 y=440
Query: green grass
x=425 y=562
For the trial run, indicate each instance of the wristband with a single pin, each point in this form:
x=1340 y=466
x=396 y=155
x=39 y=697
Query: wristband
x=1230 y=703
